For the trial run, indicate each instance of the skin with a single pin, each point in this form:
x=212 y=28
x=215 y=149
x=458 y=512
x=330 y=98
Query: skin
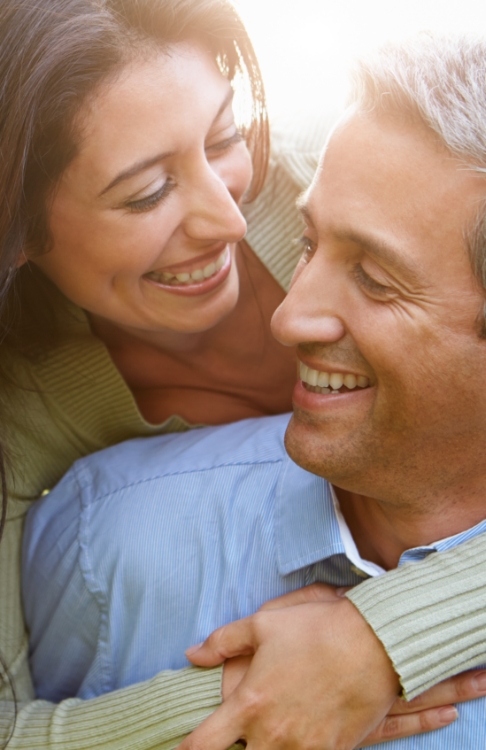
x=398 y=452
x=204 y=351
x=407 y=452
x=201 y=354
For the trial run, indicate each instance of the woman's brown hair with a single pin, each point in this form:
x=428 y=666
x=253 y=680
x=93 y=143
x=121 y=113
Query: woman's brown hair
x=53 y=55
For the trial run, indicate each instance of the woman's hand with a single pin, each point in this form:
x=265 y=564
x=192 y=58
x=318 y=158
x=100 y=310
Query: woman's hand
x=319 y=679
x=430 y=710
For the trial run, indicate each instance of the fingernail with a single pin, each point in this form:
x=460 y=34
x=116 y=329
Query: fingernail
x=479 y=682
x=341 y=591
x=448 y=714
x=193 y=649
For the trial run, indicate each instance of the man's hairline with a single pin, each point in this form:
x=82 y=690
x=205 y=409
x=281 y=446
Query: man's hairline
x=470 y=228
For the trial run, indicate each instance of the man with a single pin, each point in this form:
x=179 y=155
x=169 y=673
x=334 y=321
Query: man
x=392 y=288
x=386 y=313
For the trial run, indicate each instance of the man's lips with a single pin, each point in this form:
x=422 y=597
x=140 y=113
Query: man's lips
x=331 y=381
x=316 y=401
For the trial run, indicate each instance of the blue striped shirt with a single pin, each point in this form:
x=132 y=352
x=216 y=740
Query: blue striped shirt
x=145 y=548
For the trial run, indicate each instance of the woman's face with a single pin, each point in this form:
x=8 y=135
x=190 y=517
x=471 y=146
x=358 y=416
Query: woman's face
x=146 y=217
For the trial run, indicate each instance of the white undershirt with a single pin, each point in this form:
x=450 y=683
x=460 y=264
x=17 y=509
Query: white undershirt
x=359 y=565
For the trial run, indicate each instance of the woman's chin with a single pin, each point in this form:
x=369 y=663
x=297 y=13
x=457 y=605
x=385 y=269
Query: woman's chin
x=194 y=314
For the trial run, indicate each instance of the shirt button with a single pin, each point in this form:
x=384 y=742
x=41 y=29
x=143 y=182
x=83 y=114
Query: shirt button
x=359 y=572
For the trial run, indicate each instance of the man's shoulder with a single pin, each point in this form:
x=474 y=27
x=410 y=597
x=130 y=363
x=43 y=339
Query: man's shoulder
x=174 y=466
x=251 y=441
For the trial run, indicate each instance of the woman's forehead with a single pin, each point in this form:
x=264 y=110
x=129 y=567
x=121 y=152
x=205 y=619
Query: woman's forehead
x=157 y=104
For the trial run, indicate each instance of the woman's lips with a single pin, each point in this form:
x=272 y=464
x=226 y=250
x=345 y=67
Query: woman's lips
x=201 y=280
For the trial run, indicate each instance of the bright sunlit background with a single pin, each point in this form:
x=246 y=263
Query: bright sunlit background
x=305 y=46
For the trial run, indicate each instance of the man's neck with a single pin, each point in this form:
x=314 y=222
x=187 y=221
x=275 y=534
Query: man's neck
x=382 y=531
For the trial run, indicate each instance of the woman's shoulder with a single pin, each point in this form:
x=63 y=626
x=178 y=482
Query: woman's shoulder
x=273 y=220
x=59 y=404
x=297 y=142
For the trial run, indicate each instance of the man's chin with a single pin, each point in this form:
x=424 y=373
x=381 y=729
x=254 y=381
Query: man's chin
x=313 y=445
x=305 y=444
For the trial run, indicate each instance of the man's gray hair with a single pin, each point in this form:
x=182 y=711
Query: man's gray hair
x=439 y=81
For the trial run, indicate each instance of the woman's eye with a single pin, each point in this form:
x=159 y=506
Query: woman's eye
x=369 y=284
x=150 y=201
x=227 y=143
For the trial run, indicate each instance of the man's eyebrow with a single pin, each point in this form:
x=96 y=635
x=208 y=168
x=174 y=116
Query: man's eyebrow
x=376 y=247
x=147 y=163
x=304 y=210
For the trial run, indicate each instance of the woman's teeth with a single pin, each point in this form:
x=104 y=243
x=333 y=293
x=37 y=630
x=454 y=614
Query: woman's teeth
x=330 y=382
x=199 y=274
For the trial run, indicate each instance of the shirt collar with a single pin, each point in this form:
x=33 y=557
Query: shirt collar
x=306 y=528
x=310 y=527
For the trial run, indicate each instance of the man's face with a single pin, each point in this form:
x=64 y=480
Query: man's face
x=385 y=293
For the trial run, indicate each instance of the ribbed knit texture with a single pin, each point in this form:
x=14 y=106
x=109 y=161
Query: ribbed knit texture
x=431 y=616
x=74 y=402
x=154 y=714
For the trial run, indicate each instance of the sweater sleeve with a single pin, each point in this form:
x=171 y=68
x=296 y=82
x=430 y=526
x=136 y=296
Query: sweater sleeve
x=430 y=616
x=153 y=714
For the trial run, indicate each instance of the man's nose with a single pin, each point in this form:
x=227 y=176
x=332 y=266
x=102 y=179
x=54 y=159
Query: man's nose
x=311 y=311
x=213 y=212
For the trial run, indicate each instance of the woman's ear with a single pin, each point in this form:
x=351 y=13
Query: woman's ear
x=22 y=259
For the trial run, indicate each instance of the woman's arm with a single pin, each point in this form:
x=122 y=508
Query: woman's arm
x=153 y=714
x=430 y=616
x=149 y=715
x=322 y=672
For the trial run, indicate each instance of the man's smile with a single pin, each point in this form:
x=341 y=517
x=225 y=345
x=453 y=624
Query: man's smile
x=318 y=381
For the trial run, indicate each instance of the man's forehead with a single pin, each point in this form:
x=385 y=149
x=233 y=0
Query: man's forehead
x=364 y=152
x=389 y=188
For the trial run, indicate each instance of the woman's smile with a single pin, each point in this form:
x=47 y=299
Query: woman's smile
x=146 y=219
x=200 y=276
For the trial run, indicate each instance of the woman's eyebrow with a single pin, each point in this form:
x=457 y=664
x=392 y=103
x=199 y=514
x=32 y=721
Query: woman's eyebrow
x=135 y=169
x=147 y=163
x=225 y=103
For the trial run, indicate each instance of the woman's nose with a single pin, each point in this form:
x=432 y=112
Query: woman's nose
x=214 y=213
x=311 y=311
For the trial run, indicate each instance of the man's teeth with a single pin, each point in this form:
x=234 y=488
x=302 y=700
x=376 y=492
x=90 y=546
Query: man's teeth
x=330 y=382
x=174 y=279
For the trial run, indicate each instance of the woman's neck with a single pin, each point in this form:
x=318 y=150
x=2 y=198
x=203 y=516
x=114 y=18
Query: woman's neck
x=231 y=371
x=117 y=337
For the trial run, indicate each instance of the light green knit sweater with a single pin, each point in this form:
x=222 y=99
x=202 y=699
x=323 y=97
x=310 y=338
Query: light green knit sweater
x=74 y=402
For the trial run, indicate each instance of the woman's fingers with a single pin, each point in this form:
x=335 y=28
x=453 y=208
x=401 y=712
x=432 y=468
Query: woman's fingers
x=405 y=725
x=463 y=687
x=429 y=711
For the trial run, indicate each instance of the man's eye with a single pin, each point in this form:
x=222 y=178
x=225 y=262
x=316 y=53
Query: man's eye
x=369 y=284
x=227 y=143
x=307 y=247
x=150 y=201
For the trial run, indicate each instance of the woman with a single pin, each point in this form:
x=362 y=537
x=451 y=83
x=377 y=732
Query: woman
x=131 y=304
